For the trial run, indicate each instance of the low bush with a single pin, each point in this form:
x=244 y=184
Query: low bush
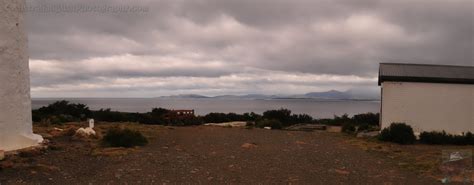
x=273 y=123
x=348 y=128
x=398 y=133
x=364 y=127
x=441 y=138
x=117 y=137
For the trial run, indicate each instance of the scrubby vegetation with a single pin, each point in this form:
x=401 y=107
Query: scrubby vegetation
x=442 y=138
x=229 y=117
x=64 y=111
x=348 y=128
x=273 y=123
x=117 y=137
x=398 y=133
x=371 y=119
x=60 y=112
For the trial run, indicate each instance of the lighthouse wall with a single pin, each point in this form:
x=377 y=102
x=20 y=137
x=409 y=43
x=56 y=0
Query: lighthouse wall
x=15 y=102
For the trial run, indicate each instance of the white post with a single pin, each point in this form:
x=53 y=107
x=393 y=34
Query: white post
x=15 y=102
x=91 y=123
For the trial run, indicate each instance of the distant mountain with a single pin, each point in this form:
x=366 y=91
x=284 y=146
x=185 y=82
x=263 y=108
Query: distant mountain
x=248 y=96
x=332 y=94
x=326 y=95
x=257 y=96
x=185 y=96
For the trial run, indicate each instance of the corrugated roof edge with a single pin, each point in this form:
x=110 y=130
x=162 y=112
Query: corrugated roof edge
x=440 y=65
x=423 y=79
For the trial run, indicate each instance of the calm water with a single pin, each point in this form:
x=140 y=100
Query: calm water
x=317 y=109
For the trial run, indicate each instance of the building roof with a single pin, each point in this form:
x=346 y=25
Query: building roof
x=426 y=73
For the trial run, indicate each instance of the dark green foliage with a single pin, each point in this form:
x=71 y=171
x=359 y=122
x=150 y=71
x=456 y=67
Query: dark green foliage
x=159 y=112
x=250 y=124
x=359 y=119
x=398 y=133
x=370 y=119
x=285 y=117
x=117 y=137
x=301 y=118
x=442 y=138
x=223 y=117
x=384 y=135
x=61 y=112
x=364 y=127
x=273 y=123
x=282 y=115
x=348 y=128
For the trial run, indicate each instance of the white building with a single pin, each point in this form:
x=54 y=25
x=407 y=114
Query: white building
x=15 y=103
x=428 y=97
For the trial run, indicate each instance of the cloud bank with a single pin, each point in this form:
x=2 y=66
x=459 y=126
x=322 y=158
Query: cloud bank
x=216 y=47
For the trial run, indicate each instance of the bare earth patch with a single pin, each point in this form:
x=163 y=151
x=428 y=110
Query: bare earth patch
x=213 y=155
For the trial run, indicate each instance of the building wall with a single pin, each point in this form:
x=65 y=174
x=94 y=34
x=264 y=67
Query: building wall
x=429 y=106
x=15 y=104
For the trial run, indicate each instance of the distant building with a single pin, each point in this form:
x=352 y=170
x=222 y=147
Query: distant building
x=428 y=97
x=179 y=114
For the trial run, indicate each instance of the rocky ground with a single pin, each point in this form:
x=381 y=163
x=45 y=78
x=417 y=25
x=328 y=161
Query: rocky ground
x=211 y=155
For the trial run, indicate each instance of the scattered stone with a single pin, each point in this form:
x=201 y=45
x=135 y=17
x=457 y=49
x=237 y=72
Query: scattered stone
x=85 y=132
x=58 y=129
x=249 y=145
x=113 y=151
x=300 y=142
x=47 y=167
x=342 y=172
x=306 y=127
x=228 y=124
x=367 y=134
x=30 y=152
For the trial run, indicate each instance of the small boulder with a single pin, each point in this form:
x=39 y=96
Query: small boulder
x=85 y=132
x=342 y=171
x=249 y=145
x=268 y=128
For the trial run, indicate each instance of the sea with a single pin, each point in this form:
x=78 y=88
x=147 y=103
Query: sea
x=203 y=106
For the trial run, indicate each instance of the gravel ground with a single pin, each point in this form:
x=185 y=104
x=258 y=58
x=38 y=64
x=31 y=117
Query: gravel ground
x=212 y=155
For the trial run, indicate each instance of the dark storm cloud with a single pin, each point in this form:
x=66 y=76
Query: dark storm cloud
x=205 y=41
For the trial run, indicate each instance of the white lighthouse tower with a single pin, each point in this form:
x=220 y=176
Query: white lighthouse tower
x=15 y=102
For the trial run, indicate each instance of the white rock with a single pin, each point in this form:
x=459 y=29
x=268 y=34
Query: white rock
x=85 y=131
x=268 y=128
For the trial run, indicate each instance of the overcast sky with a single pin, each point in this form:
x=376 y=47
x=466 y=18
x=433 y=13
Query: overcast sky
x=213 y=47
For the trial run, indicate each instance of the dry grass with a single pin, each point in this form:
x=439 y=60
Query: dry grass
x=419 y=158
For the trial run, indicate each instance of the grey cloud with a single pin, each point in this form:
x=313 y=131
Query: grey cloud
x=341 y=38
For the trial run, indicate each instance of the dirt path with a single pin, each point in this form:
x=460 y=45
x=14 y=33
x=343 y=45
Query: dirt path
x=211 y=155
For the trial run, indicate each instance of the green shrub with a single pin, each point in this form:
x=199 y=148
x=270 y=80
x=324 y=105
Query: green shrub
x=348 y=128
x=363 y=127
x=398 y=133
x=274 y=124
x=63 y=110
x=441 y=138
x=117 y=137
